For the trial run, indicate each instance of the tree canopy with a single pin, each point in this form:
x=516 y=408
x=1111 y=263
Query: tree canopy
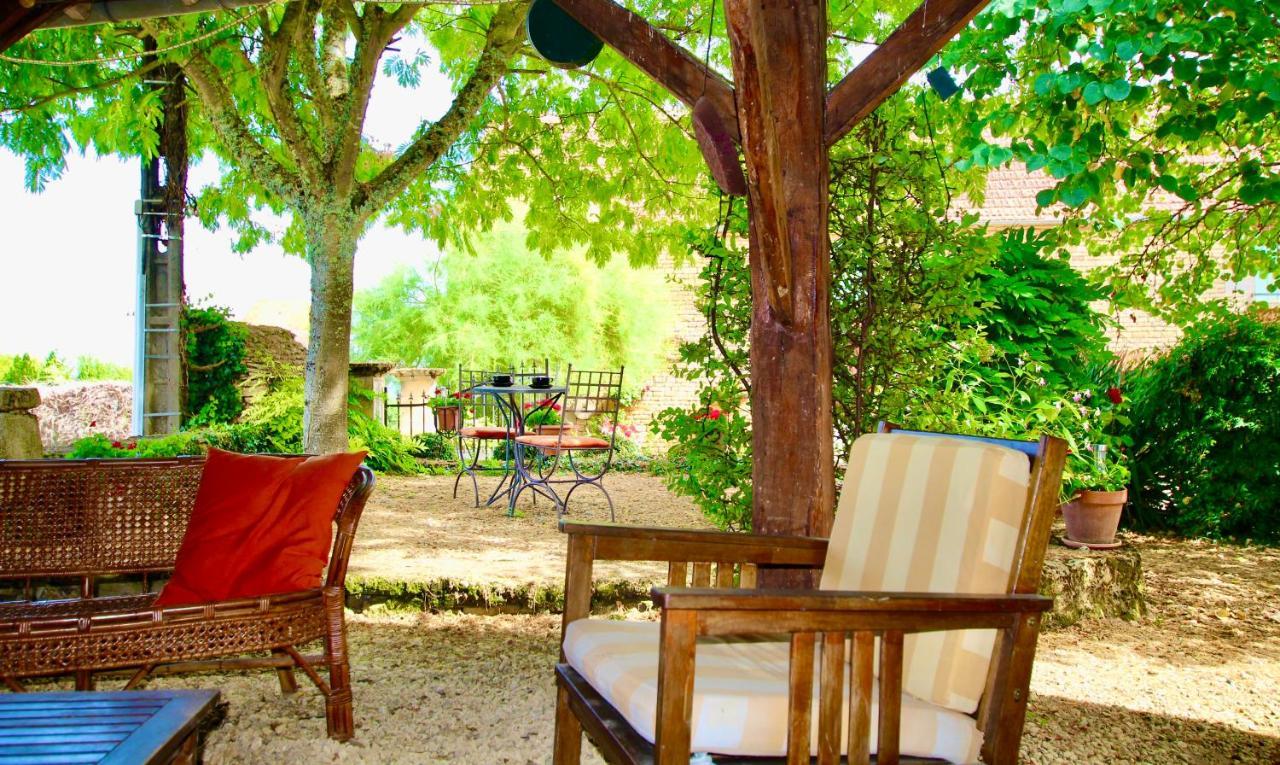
x=506 y=306
x=1158 y=121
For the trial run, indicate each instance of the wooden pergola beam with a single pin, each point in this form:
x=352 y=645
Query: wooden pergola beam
x=671 y=66
x=17 y=22
x=880 y=75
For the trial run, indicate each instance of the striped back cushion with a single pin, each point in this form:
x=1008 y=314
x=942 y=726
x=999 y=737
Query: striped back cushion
x=931 y=514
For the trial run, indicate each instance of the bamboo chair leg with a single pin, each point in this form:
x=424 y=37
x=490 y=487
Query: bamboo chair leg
x=288 y=682
x=337 y=702
x=568 y=740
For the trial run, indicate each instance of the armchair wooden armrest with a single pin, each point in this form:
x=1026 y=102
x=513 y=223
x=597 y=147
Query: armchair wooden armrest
x=734 y=557
x=611 y=541
x=803 y=606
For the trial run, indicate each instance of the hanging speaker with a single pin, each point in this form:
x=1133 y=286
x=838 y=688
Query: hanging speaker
x=942 y=83
x=558 y=38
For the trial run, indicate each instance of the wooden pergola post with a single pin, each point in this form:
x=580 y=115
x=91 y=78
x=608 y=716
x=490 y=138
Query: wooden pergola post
x=779 y=110
x=780 y=69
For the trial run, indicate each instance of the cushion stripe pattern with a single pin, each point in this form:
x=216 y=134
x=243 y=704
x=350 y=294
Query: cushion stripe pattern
x=739 y=694
x=931 y=514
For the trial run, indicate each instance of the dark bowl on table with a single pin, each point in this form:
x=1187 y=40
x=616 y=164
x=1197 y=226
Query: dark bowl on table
x=541 y=381
x=502 y=381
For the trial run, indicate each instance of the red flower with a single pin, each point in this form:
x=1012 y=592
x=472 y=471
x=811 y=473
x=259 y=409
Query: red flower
x=1113 y=393
x=711 y=414
x=117 y=445
x=528 y=405
x=462 y=394
x=93 y=424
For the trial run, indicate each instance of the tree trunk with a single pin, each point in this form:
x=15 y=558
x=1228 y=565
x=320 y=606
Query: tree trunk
x=331 y=248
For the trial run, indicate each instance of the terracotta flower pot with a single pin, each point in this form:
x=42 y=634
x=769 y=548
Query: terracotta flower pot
x=554 y=430
x=1093 y=516
x=447 y=418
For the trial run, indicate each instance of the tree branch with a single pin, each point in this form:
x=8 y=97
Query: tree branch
x=232 y=131
x=505 y=35
x=372 y=36
x=299 y=18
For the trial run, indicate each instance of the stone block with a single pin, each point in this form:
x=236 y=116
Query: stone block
x=19 y=436
x=1092 y=583
x=18 y=399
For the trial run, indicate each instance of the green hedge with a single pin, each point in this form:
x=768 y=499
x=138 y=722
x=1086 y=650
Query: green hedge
x=1206 y=433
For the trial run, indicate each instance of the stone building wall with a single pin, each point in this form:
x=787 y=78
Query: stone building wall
x=665 y=390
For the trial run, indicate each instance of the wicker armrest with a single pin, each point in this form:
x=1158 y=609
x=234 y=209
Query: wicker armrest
x=612 y=541
x=732 y=611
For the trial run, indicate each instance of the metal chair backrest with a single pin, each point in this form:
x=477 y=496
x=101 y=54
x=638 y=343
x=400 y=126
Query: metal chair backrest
x=594 y=392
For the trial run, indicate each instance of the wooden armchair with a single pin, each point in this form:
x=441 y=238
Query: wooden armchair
x=631 y=685
x=87 y=524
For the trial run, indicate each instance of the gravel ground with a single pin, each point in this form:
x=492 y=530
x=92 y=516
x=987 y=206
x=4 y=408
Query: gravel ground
x=1198 y=680
x=414 y=530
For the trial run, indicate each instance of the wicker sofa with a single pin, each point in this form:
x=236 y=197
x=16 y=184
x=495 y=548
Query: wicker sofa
x=74 y=531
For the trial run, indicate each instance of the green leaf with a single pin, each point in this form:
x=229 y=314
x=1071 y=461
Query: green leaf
x=1117 y=90
x=1092 y=93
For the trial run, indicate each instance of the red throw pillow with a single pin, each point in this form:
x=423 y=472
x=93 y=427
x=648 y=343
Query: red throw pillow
x=261 y=525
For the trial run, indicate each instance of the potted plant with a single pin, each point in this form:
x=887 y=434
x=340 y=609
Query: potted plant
x=543 y=418
x=448 y=410
x=1096 y=490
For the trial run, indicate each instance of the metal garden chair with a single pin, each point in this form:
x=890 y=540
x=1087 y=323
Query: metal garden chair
x=590 y=394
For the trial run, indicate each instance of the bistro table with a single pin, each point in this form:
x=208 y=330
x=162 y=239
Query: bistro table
x=104 y=727
x=508 y=398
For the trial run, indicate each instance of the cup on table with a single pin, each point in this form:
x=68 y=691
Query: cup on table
x=502 y=381
x=541 y=381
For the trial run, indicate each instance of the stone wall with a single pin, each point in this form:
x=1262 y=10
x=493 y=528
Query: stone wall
x=75 y=410
x=665 y=390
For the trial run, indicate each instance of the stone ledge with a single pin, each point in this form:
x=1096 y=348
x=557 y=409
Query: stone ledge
x=1083 y=583
x=1092 y=584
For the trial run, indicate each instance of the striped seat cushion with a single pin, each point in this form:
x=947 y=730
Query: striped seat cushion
x=931 y=514
x=739 y=694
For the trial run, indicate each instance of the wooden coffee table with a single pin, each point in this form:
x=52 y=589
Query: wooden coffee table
x=107 y=727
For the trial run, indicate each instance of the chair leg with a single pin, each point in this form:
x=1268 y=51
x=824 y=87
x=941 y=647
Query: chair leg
x=337 y=703
x=568 y=737
x=84 y=680
x=288 y=683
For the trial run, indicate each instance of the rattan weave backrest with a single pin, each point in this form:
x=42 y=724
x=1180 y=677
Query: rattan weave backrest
x=86 y=516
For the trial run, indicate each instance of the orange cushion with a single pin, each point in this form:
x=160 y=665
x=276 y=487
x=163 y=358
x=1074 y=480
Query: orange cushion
x=484 y=431
x=260 y=525
x=568 y=442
